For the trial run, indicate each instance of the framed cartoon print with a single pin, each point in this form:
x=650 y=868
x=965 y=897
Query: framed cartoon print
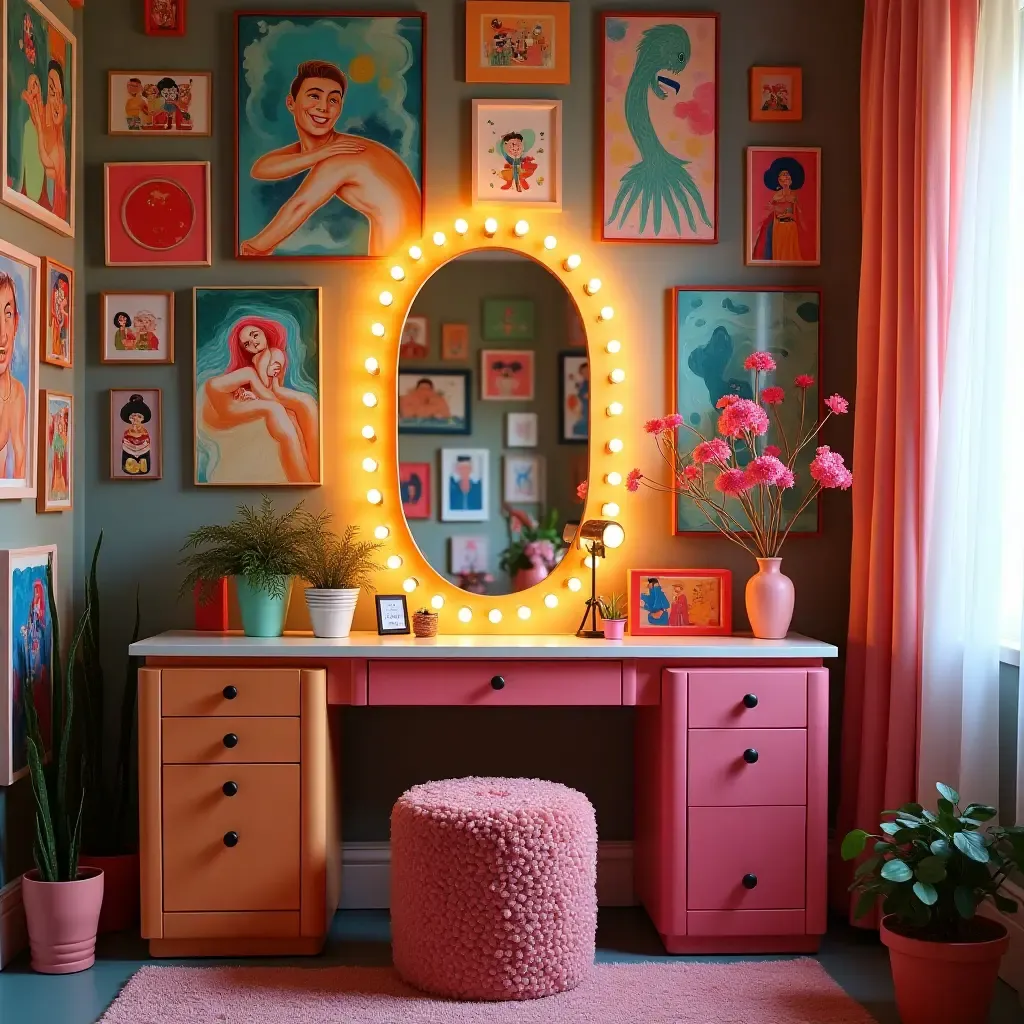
x=574 y=392
x=455 y=343
x=164 y=17
x=776 y=94
x=414 y=484
x=57 y=316
x=137 y=327
x=347 y=90
x=415 y=343
x=783 y=207
x=509 y=319
x=469 y=554
x=57 y=455
x=434 y=402
x=148 y=103
x=507 y=375
x=465 y=485
x=522 y=429
x=513 y=42
x=680 y=602
x=136 y=434
x=525 y=479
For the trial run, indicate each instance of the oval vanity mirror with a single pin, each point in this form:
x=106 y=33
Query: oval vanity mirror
x=493 y=420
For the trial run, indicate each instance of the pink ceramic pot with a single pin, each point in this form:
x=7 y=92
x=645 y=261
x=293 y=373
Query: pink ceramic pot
x=62 y=921
x=614 y=629
x=770 y=598
x=120 y=890
x=526 y=578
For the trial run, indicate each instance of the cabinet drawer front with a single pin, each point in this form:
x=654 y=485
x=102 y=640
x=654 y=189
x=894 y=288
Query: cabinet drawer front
x=520 y=682
x=191 y=692
x=252 y=924
x=765 y=845
x=716 y=699
x=209 y=740
x=742 y=923
x=720 y=776
x=262 y=870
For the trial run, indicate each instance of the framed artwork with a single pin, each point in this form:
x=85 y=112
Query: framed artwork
x=521 y=429
x=517 y=152
x=137 y=327
x=508 y=319
x=434 y=402
x=575 y=331
x=658 y=154
x=164 y=17
x=415 y=342
x=713 y=332
x=776 y=94
x=574 y=397
x=469 y=555
x=455 y=342
x=258 y=414
x=57 y=315
x=56 y=445
x=507 y=375
x=783 y=207
x=157 y=214
x=349 y=87
x=40 y=115
x=136 y=434
x=159 y=102
x=517 y=42
x=19 y=371
x=465 y=485
x=26 y=637
x=392 y=614
x=680 y=602
x=414 y=484
x=525 y=479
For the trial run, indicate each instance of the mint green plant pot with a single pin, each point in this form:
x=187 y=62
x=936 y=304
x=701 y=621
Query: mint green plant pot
x=263 y=613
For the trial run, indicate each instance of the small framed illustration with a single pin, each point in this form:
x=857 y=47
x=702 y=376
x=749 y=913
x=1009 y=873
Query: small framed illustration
x=465 y=485
x=58 y=314
x=680 y=602
x=136 y=434
x=507 y=375
x=776 y=94
x=159 y=102
x=434 y=402
x=26 y=651
x=521 y=428
x=137 y=327
x=524 y=43
x=525 y=479
x=164 y=17
x=157 y=214
x=455 y=343
x=392 y=614
x=56 y=449
x=783 y=207
x=414 y=484
x=469 y=555
x=574 y=395
x=508 y=319
x=415 y=342
x=517 y=152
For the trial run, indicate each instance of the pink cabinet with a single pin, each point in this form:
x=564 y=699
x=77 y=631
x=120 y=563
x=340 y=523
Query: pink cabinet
x=746 y=767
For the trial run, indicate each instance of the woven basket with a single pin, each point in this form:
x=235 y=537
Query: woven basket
x=424 y=624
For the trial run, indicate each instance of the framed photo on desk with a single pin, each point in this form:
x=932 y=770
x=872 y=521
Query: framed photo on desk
x=392 y=615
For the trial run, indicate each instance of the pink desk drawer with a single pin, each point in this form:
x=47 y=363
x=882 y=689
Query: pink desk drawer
x=746 y=858
x=494 y=683
x=720 y=699
x=746 y=767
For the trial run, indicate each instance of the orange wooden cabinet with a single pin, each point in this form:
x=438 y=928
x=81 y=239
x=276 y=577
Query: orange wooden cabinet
x=238 y=811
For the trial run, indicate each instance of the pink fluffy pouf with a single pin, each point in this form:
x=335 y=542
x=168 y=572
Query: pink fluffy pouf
x=493 y=888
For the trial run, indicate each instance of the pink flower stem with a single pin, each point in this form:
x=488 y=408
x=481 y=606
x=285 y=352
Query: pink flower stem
x=782 y=431
x=736 y=538
x=811 y=495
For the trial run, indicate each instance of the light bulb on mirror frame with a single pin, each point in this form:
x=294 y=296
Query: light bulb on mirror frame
x=610 y=509
x=410 y=584
x=607 y=313
x=370 y=465
x=397 y=274
x=369 y=399
x=490 y=227
x=613 y=479
x=415 y=252
x=614 y=535
x=524 y=613
x=440 y=238
x=386 y=298
x=377 y=329
x=593 y=286
x=615 y=445
x=369 y=434
x=394 y=562
x=572 y=261
x=550 y=242
x=381 y=532
x=574 y=584
x=614 y=409
x=372 y=366
x=494 y=616
x=614 y=347
x=522 y=228
x=550 y=601
x=461 y=226
x=374 y=496
x=617 y=376
x=465 y=614
x=437 y=602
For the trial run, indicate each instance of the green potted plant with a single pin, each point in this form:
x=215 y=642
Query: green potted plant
x=261 y=550
x=613 y=614
x=534 y=548
x=932 y=870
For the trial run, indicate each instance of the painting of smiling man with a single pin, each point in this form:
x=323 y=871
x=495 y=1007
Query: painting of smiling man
x=330 y=134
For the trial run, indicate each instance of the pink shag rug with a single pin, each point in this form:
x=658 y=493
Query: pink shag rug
x=771 y=992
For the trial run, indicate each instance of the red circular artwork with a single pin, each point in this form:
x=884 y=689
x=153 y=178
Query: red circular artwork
x=158 y=214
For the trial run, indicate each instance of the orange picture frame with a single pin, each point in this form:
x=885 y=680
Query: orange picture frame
x=776 y=93
x=523 y=43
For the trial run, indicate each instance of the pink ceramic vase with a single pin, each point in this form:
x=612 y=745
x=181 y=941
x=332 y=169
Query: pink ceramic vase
x=62 y=921
x=770 y=599
x=526 y=578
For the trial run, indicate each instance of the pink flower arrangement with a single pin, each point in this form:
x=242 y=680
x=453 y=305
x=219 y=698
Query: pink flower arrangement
x=772 y=396
x=772 y=449
x=633 y=478
x=732 y=481
x=837 y=404
x=760 y=361
x=655 y=426
x=726 y=400
x=540 y=552
x=716 y=451
x=829 y=469
x=804 y=381
x=741 y=418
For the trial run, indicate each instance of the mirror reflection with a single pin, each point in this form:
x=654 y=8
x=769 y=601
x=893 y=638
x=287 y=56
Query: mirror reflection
x=493 y=420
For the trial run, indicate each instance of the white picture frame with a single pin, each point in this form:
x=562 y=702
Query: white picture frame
x=525 y=479
x=521 y=429
x=469 y=553
x=465 y=485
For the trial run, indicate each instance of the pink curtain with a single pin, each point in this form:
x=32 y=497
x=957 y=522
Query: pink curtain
x=916 y=71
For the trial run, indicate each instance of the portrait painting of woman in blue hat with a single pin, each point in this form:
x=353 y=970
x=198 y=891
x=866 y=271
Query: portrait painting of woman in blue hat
x=783 y=207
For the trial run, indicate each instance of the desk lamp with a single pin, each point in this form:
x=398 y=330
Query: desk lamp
x=595 y=536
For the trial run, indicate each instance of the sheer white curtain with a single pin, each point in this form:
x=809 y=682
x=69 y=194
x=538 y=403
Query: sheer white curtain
x=974 y=571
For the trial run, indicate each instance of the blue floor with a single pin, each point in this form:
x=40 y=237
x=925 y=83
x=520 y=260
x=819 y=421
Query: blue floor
x=854 y=958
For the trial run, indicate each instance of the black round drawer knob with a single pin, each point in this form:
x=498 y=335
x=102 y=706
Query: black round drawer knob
x=231 y=839
x=231 y=740
x=750 y=881
x=230 y=692
x=750 y=700
x=498 y=682
x=230 y=788
x=750 y=755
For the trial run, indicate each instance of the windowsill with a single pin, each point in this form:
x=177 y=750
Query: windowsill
x=1009 y=654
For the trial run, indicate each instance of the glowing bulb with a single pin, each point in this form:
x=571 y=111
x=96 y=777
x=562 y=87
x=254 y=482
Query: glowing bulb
x=395 y=562
x=490 y=227
x=615 y=446
x=615 y=409
x=369 y=433
x=550 y=601
x=465 y=614
x=410 y=584
x=614 y=347
x=370 y=465
x=614 y=535
x=440 y=238
x=607 y=313
x=593 y=286
x=524 y=612
x=572 y=261
x=550 y=242
x=381 y=533
x=369 y=399
x=437 y=602
x=415 y=252
x=372 y=366
x=494 y=616
x=617 y=376
x=610 y=509
x=521 y=228
x=461 y=226
x=377 y=329
x=614 y=479
x=574 y=584
x=397 y=274
x=374 y=497
x=386 y=298
x=591 y=560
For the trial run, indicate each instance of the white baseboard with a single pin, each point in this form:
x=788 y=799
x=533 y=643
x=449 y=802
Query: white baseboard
x=366 y=875
x=1012 y=968
x=13 y=930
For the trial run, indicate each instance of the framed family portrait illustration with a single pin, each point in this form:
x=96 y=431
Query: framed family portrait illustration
x=137 y=327
x=783 y=207
x=415 y=343
x=57 y=317
x=57 y=456
x=346 y=90
x=147 y=103
x=136 y=434
x=507 y=375
x=469 y=554
x=776 y=94
x=680 y=602
x=40 y=115
x=574 y=392
x=414 y=484
x=257 y=386
x=513 y=42
x=465 y=485
x=434 y=402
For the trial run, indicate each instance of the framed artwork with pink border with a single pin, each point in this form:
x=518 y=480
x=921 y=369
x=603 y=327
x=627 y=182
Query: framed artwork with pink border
x=783 y=207
x=507 y=375
x=414 y=484
x=136 y=434
x=776 y=94
x=157 y=214
x=680 y=602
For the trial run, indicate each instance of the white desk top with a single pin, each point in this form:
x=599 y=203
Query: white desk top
x=186 y=644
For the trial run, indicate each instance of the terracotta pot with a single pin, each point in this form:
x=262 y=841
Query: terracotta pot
x=120 y=890
x=62 y=920
x=526 y=578
x=614 y=629
x=950 y=982
x=770 y=598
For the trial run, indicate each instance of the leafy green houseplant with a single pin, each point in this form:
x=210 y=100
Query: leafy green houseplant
x=534 y=548
x=613 y=612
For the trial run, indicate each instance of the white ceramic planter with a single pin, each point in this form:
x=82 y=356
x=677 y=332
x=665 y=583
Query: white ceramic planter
x=331 y=611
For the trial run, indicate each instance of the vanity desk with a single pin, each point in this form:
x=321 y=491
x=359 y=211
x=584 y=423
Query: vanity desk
x=239 y=776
